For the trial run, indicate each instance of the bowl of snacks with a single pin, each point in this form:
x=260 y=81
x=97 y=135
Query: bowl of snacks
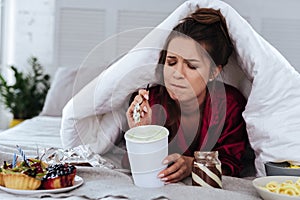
x=278 y=187
x=282 y=169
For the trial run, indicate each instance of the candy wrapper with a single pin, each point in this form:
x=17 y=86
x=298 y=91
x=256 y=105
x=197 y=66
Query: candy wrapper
x=80 y=156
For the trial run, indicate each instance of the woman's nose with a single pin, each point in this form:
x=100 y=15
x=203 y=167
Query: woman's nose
x=179 y=70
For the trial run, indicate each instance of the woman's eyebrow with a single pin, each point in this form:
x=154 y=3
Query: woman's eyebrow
x=171 y=57
x=185 y=59
x=192 y=60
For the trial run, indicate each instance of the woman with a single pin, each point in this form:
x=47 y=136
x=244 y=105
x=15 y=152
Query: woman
x=200 y=112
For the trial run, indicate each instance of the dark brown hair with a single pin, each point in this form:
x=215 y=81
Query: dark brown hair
x=207 y=27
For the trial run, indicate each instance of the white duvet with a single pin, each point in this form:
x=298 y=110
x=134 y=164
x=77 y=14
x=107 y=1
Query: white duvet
x=96 y=115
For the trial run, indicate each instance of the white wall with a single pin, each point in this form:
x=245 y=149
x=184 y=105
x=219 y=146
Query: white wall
x=278 y=21
x=29 y=31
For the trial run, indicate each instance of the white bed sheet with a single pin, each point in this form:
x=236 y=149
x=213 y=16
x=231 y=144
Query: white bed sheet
x=41 y=132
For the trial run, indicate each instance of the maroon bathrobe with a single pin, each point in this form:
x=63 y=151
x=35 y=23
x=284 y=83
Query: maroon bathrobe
x=221 y=126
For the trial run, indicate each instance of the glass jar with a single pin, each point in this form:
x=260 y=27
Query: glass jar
x=206 y=170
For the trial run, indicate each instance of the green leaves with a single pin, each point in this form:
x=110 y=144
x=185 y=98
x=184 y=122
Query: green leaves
x=26 y=97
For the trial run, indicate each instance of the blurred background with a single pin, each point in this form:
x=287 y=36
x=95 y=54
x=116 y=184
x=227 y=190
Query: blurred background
x=61 y=33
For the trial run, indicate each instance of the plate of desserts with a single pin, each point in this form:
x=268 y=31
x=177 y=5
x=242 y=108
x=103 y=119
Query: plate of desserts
x=78 y=181
x=31 y=176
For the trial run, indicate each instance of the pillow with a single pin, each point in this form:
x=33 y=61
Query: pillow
x=66 y=83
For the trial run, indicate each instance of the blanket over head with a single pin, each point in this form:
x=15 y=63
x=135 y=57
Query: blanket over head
x=96 y=115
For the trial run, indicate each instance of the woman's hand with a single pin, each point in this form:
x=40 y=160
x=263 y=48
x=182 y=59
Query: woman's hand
x=145 y=110
x=180 y=169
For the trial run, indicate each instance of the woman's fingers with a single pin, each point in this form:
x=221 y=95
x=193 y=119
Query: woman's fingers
x=139 y=109
x=144 y=94
x=175 y=170
x=171 y=158
x=179 y=168
x=138 y=99
x=142 y=99
x=138 y=102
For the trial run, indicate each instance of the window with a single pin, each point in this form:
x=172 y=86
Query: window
x=104 y=25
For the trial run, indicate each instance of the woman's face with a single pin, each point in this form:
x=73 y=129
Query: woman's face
x=186 y=70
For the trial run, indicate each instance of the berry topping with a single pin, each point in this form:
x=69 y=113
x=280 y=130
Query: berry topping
x=58 y=176
x=59 y=170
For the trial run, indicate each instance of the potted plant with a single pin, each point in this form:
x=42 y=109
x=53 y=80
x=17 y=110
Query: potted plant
x=25 y=98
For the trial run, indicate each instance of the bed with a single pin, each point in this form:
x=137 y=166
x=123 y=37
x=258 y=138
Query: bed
x=107 y=181
x=84 y=106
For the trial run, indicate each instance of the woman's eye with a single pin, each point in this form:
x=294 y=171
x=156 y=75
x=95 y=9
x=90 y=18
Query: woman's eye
x=171 y=63
x=192 y=66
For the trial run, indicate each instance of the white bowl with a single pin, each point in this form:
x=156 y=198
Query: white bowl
x=260 y=183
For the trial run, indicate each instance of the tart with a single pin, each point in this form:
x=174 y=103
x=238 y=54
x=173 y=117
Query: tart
x=21 y=181
x=5 y=166
x=59 y=176
x=25 y=176
x=1 y=177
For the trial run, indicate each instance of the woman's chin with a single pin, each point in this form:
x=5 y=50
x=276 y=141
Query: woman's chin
x=178 y=97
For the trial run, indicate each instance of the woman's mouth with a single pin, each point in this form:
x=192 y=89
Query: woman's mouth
x=177 y=86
